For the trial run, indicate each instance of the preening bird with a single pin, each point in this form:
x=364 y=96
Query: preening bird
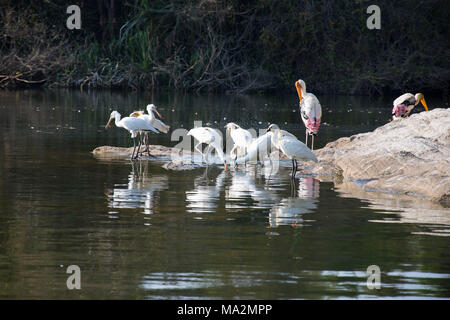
x=404 y=104
x=291 y=147
x=242 y=138
x=210 y=137
x=133 y=125
x=310 y=111
x=152 y=120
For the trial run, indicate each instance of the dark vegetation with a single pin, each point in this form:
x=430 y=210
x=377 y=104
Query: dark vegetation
x=235 y=46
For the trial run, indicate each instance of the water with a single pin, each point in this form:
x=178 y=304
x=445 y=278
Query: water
x=138 y=231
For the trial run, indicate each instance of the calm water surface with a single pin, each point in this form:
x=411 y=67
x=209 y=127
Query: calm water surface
x=138 y=231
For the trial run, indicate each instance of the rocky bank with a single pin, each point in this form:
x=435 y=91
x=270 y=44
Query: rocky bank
x=407 y=156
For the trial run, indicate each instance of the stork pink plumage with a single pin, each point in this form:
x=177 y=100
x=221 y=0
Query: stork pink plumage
x=310 y=111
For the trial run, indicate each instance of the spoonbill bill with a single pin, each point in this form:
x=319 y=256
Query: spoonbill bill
x=133 y=125
x=404 y=104
x=310 y=111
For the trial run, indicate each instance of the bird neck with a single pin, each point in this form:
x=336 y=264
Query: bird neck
x=275 y=139
x=117 y=120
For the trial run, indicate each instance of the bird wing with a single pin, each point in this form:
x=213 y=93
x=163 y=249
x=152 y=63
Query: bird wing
x=311 y=112
x=285 y=133
x=310 y=107
x=241 y=137
x=295 y=149
x=161 y=126
x=137 y=124
x=407 y=98
x=202 y=134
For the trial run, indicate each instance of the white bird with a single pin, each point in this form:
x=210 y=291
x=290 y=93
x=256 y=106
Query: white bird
x=310 y=111
x=291 y=147
x=260 y=145
x=133 y=125
x=210 y=137
x=404 y=104
x=242 y=138
x=151 y=118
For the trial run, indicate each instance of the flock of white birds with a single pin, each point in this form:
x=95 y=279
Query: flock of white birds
x=244 y=144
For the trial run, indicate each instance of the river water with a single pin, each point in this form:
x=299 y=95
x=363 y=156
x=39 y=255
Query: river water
x=138 y=231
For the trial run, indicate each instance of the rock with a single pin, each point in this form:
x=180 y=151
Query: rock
x=120 y=153
x=180 y=165
x=408 y=156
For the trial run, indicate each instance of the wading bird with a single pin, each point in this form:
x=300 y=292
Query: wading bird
x=210 y=137
x=291 y=147
x=404 y=104
x=134 y=125
x=242 y=138
x=310 y=111
x=153 y=121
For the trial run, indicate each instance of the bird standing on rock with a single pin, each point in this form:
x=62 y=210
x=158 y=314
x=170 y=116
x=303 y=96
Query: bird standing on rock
x=153 y=121
x=404 y=104
x=133 y=125
x=293 y=148
x=310 y=111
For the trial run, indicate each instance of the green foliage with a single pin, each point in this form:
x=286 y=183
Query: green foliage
x=254 y=45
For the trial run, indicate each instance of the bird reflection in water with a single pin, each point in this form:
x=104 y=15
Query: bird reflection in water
x=206 y=193
x=256 y=188
x=291 y=210
x=253 y=183
x=141 y=190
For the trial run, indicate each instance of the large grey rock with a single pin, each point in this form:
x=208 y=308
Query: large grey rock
x=407 y=156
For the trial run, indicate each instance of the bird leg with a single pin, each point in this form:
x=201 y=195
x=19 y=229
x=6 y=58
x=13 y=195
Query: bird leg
x=196 y=148
x=207 y=151
x=294 y=168
x=134 y=144
x=231 y=152
x=147 y=143
x=139 y=146
x=312 y=143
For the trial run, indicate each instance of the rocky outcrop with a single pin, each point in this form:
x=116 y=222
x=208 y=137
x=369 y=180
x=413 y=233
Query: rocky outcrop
x=407 y=156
